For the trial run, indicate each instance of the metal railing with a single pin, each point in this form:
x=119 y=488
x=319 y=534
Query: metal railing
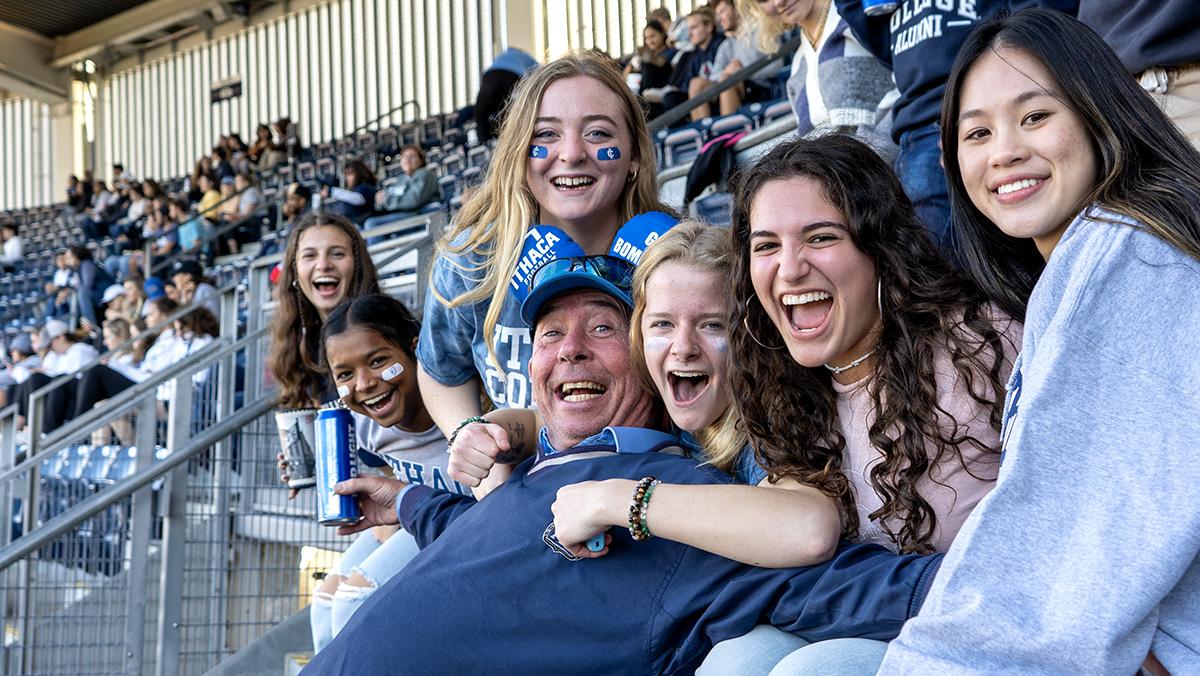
x=176 y=546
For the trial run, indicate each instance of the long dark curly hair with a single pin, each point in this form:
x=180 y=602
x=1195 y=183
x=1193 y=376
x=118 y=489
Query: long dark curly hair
x=790 y=411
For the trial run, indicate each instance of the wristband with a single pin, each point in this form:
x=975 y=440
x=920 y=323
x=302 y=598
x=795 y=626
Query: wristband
x=638 y=506
x=468 y=421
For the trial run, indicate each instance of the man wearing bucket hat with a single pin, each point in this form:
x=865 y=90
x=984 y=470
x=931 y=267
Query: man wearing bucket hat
x=493 y=586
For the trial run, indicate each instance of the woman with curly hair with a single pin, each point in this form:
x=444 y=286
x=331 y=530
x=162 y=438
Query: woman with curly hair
x=326 y=262
x=865 y=365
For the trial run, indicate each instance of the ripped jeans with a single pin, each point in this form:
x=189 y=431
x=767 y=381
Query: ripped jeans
x=377 y=562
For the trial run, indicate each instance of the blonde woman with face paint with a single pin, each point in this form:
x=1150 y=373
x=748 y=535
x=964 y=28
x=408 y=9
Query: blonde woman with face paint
x=574 y=152
x=679 y=346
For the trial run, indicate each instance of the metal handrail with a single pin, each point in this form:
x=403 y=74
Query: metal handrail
x=44 y=391
x=123 y=401
x=712 y=93
x=94 y=503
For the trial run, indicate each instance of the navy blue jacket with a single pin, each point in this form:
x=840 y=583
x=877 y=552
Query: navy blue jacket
x=490 y=592
x=919 y=42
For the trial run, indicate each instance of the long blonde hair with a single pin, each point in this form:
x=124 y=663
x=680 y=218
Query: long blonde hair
x=765 y=30
x=496 y=217
x=708 y=248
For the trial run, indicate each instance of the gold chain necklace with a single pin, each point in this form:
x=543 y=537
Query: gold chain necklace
x=820 y=25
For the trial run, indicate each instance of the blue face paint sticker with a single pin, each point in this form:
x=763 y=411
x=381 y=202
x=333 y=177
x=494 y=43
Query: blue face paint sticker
x=393 y=372
x=609 y=153
x=539 y=152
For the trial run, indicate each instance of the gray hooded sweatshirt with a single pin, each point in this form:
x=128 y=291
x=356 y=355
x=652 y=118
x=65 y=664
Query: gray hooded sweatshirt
x=1084 y=557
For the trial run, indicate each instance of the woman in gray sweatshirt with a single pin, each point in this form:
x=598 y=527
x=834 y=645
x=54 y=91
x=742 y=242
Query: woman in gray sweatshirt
x=1078 y=205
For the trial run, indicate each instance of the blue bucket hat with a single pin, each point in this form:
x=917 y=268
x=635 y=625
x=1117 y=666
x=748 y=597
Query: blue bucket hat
x=552 y=264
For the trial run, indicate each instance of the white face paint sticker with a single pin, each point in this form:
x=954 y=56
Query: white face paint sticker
x=343 y=391
x=393 y=372
x=658 y=344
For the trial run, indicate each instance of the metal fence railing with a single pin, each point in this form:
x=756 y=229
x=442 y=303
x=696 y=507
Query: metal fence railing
x=151 y=535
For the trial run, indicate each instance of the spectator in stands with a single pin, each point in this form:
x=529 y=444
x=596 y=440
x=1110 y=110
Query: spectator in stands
x=90 y=281
x=21 y=362
x=68 y=353
x=59 y=288
x=835 y=82
x=203 y=167
x=297 y=201
x=370 y=347
x=76 y=199
x=248 y=201
x=120 y=177
x=357 y=200
x=326 y=262
x=160 y=231
x=286 y=136
x=191 y=230
x=12 y=253
x=1077 y=203
x=551 y=166
x=193 y=287
x=652 y=62
x=495 y=86
x=1157 y=43
x=210 y=197
x=265 y=153
x=220 y=164
x=131 y=302
x=736 y=52
x=126 y=232
x=95 y=218
x=697 y=63
x=413 y=190
x=674 y=601
x=882 y=368
x=228 y=209
x=920 y=59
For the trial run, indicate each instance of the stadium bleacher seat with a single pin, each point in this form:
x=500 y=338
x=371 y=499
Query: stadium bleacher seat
x=478 y=157
x=730 y=123
x=448 y=186
x=681 y=146
x=776 y=110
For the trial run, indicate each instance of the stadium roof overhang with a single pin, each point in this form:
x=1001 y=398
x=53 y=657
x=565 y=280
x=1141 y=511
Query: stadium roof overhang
x=42 y=39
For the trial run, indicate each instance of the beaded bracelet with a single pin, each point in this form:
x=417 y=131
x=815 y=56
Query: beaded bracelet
x=638 y=506
x=468 y=421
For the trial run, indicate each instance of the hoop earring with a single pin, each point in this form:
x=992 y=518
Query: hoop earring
x=750 y=332
x=879 y=296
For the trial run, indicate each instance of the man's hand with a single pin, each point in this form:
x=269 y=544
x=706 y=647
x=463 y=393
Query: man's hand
x=586 y=509
x=474 y=452
x=376 y=498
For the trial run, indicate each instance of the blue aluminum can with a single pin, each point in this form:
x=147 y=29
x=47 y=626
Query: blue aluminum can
x=335 y=455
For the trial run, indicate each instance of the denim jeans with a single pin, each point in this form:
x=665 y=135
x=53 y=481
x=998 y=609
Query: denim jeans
x=378 y=562
x=924 y=180
x=767 y=651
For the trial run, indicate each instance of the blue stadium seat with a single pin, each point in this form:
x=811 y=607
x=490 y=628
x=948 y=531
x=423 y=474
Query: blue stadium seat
x=776 y=110
x=306 y=171
x=431 y=131
x=730 y=123
x=326 y=168
x=453 y=164
x=681 y=146
x=478 y=157
x=448 y=186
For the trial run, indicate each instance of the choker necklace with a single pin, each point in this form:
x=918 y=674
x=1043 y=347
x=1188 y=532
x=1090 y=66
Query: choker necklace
x=842 y=369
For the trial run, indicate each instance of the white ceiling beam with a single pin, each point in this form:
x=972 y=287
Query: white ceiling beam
x=126 y=26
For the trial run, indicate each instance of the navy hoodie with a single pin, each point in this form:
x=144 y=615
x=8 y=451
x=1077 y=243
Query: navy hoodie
x=919 y=42
x=492 y=590
x=1147 y=33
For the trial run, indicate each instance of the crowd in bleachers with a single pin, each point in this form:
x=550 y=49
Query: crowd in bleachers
x=880 y=422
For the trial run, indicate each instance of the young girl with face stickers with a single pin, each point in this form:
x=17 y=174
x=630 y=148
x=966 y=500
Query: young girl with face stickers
x=370 y=348
x=574 y=152
x=1078 y=204
x=863 y=364
x=679 y=346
